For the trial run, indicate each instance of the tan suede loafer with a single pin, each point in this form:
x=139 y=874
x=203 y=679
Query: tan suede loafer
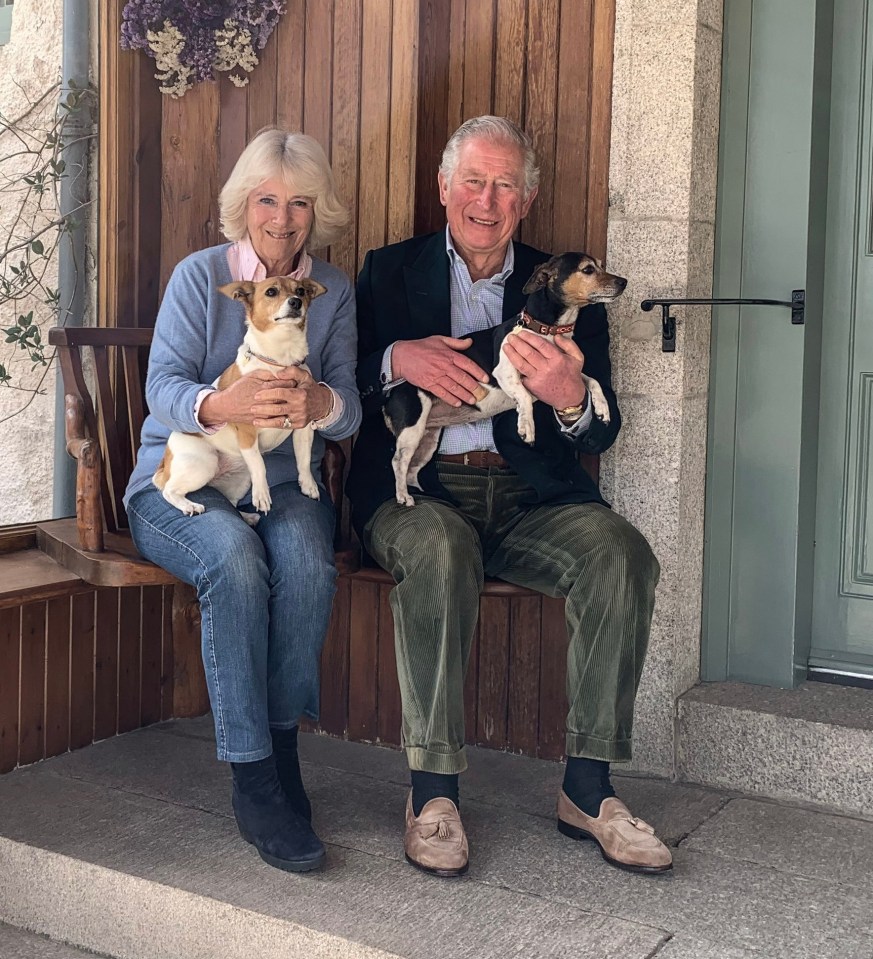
x=624 y=840
x=435 y=841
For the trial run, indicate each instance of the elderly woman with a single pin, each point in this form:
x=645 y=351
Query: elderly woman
x=266 y=590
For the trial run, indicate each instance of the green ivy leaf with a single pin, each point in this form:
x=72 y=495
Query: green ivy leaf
x=37 y=247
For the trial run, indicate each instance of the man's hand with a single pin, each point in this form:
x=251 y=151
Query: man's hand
x=551 y=370
x=437 y=365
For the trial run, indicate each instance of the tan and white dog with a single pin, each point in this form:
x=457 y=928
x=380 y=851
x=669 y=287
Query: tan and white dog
x=231 y=459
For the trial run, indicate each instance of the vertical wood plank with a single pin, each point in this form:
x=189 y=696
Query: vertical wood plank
x=388 y=699
x=167 y=665
x=82 y=670
x=318 y=75
x=375 y=80
x=129 y=651
x=261 y=88
x=345 y=134
x=542 y=79
x=471 y=690
x=493 y=671
x=10 y=663
x=190 y=695
x=432 y=122
x=106 y=665
x=600 y=125
x=189 y=184
x=57 y=671
x=404 y=108
x=524 y=674
x=572 y=132
x=509 y=67
x=291 y=42
x=457 y=54
x=553 y=679
x=478 y=58
x=31 y=735
x=150 y=655
x=363 y=638
x=232 y=134
x=335 y=664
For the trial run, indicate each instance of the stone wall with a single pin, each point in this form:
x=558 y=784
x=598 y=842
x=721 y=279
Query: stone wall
x=662 y=179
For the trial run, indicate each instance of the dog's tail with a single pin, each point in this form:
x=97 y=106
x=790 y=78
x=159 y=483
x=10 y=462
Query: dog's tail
x=162 y=473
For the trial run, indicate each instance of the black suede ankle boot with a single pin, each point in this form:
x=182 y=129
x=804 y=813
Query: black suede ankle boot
x=288 y=768
x=283 y=838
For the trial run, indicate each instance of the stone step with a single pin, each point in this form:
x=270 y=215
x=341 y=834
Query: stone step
x=20 y=944
x=128 y=848
x=810 y=744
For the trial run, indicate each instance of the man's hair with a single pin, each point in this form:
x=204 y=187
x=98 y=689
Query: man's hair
x=300 y=162
x=497 y=130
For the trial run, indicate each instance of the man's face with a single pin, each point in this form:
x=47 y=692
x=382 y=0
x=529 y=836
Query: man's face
x=485 y=198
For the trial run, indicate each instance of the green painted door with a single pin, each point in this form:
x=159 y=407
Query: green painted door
x=842 y=621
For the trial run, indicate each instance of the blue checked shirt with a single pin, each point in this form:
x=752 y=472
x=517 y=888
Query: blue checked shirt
x=475 y=306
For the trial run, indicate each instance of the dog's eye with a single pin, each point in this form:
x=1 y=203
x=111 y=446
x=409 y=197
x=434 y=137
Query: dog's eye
x=301 y=291
x=588 y=270
x=271 y=291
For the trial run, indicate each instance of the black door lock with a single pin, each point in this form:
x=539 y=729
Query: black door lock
x=797 y=305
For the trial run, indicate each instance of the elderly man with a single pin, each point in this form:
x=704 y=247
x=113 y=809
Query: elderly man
x=417 y=301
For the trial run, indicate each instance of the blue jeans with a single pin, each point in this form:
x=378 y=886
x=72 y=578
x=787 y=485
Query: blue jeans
x=265 y=600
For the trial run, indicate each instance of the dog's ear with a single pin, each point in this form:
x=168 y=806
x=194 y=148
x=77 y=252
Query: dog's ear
x=541 y=276
x=240 y=290
x=316 y=288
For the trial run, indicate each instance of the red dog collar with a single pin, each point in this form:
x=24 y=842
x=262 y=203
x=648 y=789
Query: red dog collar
x=527 y=321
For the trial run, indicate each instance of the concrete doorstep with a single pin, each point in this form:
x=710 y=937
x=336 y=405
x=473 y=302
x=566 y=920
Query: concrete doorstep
x=129 y=849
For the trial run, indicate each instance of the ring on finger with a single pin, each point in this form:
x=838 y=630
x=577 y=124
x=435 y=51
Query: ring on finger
x=286 y=424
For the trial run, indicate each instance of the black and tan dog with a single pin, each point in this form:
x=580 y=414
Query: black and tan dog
x=556 y=292
x=231 y=459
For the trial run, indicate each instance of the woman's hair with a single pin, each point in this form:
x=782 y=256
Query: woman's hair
x=300 y=162
x=497 y=130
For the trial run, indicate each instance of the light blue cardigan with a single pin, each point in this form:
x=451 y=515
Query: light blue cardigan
x=197 y=334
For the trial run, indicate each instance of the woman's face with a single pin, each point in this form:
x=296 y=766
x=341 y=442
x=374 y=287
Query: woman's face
x=278 y=222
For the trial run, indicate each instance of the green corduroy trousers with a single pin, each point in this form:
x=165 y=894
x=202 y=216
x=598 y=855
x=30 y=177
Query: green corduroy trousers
x=439 y=555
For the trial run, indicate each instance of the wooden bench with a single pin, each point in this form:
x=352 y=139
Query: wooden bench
x=514 y=695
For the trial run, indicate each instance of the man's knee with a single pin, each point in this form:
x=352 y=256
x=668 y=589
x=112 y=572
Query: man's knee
x=626 y=553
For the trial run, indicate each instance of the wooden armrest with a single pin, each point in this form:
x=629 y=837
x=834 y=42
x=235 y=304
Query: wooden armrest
x=89 y=470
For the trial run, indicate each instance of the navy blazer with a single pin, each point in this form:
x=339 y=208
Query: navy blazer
x=403 y=293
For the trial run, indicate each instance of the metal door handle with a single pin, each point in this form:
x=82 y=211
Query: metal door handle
x=797 y=305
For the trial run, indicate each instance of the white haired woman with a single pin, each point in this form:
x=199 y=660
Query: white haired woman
x=265 y=591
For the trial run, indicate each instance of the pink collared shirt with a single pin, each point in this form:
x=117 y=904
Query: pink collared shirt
x=244 y=264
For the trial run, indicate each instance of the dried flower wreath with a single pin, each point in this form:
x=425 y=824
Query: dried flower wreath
x=192 y=39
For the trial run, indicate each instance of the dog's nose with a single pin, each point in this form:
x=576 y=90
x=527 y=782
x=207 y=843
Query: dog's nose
x=620 y=282
x=295 y=302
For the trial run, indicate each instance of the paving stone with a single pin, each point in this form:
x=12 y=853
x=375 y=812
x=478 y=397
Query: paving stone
x=684 y=947
x=800 y=841
x=20 y=944
x=130 y=865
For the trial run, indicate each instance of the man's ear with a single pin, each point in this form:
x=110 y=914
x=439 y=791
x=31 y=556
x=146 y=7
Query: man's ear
x=525 y=207
x=444 y=188
x=541 y=276
x=241 y=290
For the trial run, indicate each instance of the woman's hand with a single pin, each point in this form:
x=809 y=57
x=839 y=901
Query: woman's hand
x=265 y=399
x=298 y=400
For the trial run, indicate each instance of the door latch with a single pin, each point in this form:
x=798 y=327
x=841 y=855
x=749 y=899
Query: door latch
x=797 y=305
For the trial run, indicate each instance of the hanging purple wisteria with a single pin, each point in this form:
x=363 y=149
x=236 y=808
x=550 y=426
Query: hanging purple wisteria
x=191 y=40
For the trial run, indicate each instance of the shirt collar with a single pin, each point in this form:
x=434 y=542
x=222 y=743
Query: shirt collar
x=251 y=268
x=498 y=278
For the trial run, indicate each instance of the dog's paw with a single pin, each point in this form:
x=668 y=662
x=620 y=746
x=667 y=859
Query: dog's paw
x=310 y=488
x=261 y=500
x=193 y=509
x=404 y=499
x=251 y=518
x=526 y=429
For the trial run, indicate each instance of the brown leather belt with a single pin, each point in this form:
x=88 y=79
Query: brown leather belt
x=481 y=459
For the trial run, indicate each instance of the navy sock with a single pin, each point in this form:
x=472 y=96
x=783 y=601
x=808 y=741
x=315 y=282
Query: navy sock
x=586 y=783
x=427 y=786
